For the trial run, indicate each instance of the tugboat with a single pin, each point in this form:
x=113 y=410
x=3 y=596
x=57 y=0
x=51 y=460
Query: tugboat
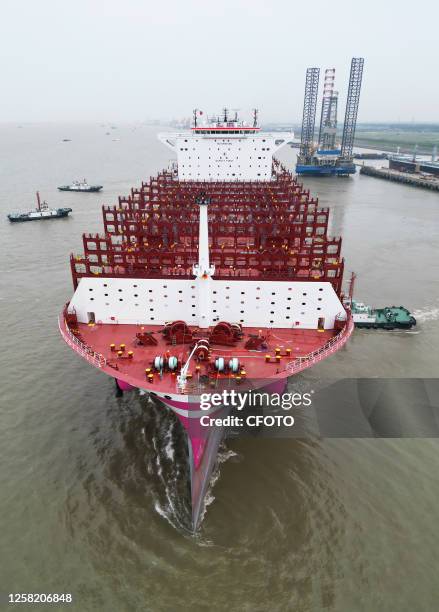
x=41 y=212
x=82 y=186
x=390 y=317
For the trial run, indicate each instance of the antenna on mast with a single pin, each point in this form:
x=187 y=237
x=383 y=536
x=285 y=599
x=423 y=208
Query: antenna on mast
x=225 y=114
x=38 y=200
x=195 y=111
x=255 y=117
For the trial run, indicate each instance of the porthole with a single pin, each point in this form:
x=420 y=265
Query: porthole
x=120 y=299
x=91 y=299
x=303 y=303
x=136 y=295
x=90 y=289
x=106 y=294
x=119 y=290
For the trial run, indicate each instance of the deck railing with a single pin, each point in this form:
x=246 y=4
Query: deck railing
x=96 y=359
x=293 y=367
x=333 y=345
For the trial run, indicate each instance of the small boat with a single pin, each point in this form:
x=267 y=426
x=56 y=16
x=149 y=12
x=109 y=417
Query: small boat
x=81 y=186
x=390 y=317
x=42 y=212
x=66 y=140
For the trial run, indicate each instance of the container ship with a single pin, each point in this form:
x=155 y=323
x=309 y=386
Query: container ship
x=218 y=271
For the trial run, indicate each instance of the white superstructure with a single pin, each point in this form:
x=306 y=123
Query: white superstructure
x=225 y=150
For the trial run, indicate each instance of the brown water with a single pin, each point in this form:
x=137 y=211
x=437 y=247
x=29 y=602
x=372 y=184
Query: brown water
x=90 y=483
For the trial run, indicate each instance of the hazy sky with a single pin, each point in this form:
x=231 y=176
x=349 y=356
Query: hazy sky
x=134 y=59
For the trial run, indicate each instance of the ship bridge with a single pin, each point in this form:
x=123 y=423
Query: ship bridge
x=224 y=149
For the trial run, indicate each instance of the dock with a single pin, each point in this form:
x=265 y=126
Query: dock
x=415 y=180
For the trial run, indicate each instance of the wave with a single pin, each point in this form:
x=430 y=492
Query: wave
x=430 y=313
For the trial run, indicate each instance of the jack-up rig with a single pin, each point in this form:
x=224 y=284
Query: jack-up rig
x=327 y=157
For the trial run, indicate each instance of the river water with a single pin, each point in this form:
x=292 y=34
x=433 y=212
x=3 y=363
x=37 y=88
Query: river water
x=91 y=484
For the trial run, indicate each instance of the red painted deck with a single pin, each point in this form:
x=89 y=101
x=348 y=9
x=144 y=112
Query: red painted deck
x=100 y=337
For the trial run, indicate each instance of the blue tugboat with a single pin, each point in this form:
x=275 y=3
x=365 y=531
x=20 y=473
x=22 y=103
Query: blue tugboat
x=41 y=213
